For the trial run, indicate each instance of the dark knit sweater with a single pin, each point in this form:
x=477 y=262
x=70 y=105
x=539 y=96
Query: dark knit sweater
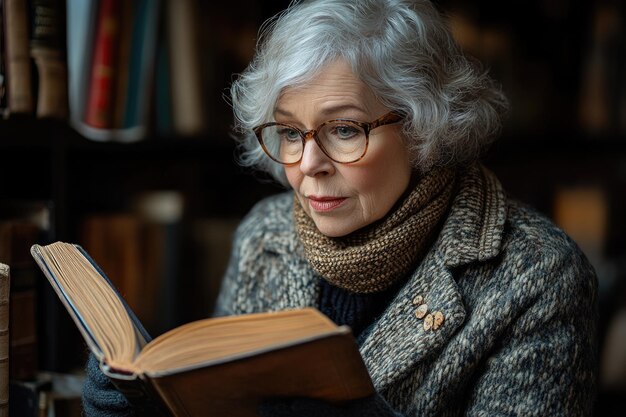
x=355 y=310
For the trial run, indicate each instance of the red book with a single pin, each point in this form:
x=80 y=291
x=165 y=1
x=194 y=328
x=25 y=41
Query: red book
x=101 y=87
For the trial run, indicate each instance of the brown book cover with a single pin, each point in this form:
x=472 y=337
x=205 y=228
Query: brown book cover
x=224 y=365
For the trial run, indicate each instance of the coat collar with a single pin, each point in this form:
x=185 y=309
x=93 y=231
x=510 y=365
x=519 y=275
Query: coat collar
x=473 y=230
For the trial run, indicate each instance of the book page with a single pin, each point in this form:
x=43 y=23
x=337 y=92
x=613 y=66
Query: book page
x=227 y=338
x=97 y=304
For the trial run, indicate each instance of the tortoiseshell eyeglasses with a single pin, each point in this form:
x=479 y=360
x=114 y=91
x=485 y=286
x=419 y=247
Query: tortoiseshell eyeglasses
x=343 y=140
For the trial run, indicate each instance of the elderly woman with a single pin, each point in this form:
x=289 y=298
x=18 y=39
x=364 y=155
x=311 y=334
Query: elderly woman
x=463 y=302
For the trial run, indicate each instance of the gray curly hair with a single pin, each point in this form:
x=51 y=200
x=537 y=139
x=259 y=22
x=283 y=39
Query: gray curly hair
x=402 y=49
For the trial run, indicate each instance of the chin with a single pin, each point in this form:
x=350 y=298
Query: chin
x=332 y=229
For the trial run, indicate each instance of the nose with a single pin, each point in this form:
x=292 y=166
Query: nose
x=314 y=161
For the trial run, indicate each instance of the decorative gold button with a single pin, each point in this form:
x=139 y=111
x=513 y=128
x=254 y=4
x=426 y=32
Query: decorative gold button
x=438 y=320
x=428 y=322
x=418 y=300
x=421 y=311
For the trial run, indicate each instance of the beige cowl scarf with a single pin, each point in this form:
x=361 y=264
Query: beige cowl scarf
x=375 y=257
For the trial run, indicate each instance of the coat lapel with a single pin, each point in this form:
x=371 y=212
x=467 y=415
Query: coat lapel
x=398 y=342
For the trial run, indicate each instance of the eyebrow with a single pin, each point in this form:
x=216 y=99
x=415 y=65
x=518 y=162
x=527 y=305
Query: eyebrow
x=325 y=111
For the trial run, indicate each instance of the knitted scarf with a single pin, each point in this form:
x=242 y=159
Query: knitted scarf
x=375 y=257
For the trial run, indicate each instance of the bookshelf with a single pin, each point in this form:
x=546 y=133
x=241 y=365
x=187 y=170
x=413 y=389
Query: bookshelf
x=545 y=147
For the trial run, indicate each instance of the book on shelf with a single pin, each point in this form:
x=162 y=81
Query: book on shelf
x=19 y=86
x=47 y=48
x=140 y=255
x=22 y=223
x=141 y=66
x=28 y=398
x=212 y=239
x=103 y=69
x=3 y=70
x=80 y=18
x=17 y=234
x=186 y=79
x=162 y=107
x=49 y=394
x=111 y=49
x=225 y=365
x=123 y=56
x=5 y=276
x=64 y=399
x=115 y=239
x=160 y=214
x=602 y=105
x=23 y=347
x=42 y=335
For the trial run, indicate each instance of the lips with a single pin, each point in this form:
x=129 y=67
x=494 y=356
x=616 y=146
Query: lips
x=325 y=204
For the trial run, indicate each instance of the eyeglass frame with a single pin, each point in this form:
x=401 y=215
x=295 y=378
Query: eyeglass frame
x=386 y=119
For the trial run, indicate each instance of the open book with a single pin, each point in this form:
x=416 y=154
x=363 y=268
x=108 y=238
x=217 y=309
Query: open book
x=222 y=366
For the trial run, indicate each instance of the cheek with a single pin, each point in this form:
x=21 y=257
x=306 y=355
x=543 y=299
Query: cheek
x=294 y=177
x=381 y=183
x=377 y=191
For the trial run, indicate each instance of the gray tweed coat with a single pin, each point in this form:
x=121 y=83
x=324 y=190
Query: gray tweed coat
x=519 y=301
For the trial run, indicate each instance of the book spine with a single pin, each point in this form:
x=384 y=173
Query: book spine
x=23 y=222
x=188 y=108
x=15 y=236
x=3 y=72
x=23 y=324
x=101 y=88
x=18 y=63
x=4 y=339
x=48 y=52
x=121 y=82
x=162 y=85
x=142 y=62
x=80 y=18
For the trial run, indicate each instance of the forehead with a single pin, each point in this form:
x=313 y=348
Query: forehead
x=334 y=88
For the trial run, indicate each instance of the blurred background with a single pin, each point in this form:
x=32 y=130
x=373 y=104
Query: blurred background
x=138 y=166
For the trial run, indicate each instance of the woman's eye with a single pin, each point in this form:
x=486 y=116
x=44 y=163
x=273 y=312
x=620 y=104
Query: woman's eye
x=289 y=134
x=345 y=132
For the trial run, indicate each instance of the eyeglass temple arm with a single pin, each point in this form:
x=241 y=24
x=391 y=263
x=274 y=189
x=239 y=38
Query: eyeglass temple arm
x=391 y=117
